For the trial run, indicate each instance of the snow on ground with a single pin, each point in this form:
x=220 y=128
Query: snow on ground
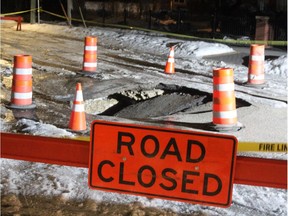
x=277 y=67
x=188 y=55
x=70 y=182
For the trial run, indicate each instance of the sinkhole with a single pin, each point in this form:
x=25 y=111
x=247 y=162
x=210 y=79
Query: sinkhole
x=162 y=100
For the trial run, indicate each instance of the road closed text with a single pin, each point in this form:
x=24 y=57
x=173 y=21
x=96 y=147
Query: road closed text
x=160 y=164
x=146 y=176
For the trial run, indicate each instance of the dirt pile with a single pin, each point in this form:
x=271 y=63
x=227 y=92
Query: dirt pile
x=13 y=204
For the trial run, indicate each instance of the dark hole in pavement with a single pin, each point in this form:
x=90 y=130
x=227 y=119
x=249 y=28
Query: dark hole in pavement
x=171 y=100
x=267 y=57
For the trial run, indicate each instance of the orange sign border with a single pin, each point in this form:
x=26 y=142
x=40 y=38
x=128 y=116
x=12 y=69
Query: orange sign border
x=158 y=128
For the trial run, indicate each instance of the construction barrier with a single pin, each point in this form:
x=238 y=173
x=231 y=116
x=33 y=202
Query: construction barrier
x=170 y=64
x=78 y=117
x=17 y=19
x=90 y=54
x=256 y=65
x=21 y=92
x=69 y=152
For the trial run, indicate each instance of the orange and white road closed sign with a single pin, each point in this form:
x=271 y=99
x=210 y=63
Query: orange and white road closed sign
x=158 y=162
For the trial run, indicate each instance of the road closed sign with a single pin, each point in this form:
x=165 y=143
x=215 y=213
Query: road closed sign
x=159 y=162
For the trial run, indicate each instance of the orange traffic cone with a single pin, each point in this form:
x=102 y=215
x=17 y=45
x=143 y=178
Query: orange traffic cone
x=256 y=65
x=78 y=117
x=170 y=68
x=90 y=54
x=224 y=102
x=21 y=94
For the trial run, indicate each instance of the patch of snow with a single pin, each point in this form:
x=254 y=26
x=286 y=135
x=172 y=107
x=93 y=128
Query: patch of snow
x=278 y=66
x=41 y=129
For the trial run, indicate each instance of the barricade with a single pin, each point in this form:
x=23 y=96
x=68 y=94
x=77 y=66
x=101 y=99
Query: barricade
x=256 y=65
x=18 y=19
x=78 y=118
x=70 y=152
x=170 y=64
x=90 y=55
x=21 y=92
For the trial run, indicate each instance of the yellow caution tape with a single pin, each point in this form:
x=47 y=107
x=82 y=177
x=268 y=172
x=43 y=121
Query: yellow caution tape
x=53 y=14
x=242 y=146
x=230 y=41
x=72 y=19
x=19 y=12
x=262 y=147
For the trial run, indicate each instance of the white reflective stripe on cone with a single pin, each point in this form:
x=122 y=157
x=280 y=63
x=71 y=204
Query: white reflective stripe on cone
x=91 y=48
x=172 y=53
x=22 y=71
x=171 y=60
x=224 y=87
x=256 y=77
x=78 y=107
x=90 y=64
x=26 y=95
x=79 y=96
x=225 y=114
x=257 y=58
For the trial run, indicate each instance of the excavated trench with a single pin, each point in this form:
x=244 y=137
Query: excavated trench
x=161 y=101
